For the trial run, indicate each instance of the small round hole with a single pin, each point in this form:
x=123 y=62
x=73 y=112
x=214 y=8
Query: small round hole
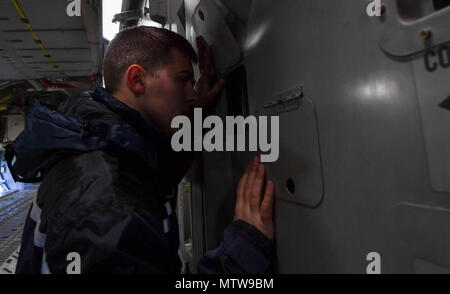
x=290 y=186
x=201 y=15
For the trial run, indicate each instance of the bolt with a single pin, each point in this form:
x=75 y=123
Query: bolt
x=426 y=34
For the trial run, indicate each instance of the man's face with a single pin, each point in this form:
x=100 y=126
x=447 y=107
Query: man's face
x=169 y=92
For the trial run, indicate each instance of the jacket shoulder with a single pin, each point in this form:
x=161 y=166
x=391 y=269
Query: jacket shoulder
x=85 y=181
x=83 y=106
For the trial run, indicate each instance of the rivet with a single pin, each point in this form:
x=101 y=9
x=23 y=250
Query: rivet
x=426 y=34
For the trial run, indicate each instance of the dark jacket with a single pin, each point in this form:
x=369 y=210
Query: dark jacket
x=107 y=193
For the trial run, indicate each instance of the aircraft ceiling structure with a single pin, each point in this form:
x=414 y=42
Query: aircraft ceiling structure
x=38 y=39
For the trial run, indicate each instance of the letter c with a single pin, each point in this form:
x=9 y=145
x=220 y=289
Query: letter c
x=430 y=67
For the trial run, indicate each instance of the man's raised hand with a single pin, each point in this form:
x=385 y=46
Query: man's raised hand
x=254 y=202
x=206 y=92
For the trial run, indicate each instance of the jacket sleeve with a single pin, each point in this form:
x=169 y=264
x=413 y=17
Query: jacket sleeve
x=242 y=249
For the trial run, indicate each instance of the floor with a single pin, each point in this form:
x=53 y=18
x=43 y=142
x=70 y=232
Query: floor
x=13 y=211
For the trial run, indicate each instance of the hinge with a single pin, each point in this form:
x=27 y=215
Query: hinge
x=287 y=100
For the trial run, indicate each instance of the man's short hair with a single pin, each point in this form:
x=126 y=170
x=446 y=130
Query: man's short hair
x=148 y=47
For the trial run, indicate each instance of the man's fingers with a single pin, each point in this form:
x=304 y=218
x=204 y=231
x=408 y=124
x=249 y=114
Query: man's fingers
x=250 y=191
x=267 y=203
x=258 y=185
x=238 y=209
x=241 y=184
x=241 y=187
x=205 y=56
x=250 y=179
x=208 y=61
x=201 y=52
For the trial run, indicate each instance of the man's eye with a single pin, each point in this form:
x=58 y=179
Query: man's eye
x=186 y=80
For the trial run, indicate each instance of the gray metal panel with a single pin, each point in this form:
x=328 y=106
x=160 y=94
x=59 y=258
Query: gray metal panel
x=433 y=88
x=208 y=22
x=241 y=9
x=371 y=137
x=425 y=267
x=198 y=218
x=299 y=159
x=370 y=129
x=415 y=231
x=403 y=22
x=378 y=194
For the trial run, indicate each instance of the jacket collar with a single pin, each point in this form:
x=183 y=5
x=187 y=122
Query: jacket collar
x=150 y=133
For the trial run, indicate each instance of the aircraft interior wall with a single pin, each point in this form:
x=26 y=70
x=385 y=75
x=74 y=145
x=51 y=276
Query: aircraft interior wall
x=362 y=93
x=364 y=147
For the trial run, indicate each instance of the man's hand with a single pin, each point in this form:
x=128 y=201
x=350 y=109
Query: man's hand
x=206 y=93
x=254 y=203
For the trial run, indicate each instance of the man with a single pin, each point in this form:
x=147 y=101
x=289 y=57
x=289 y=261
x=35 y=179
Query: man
x=108 y=171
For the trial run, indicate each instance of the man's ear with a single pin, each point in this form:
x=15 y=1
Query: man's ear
x=135 y=77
